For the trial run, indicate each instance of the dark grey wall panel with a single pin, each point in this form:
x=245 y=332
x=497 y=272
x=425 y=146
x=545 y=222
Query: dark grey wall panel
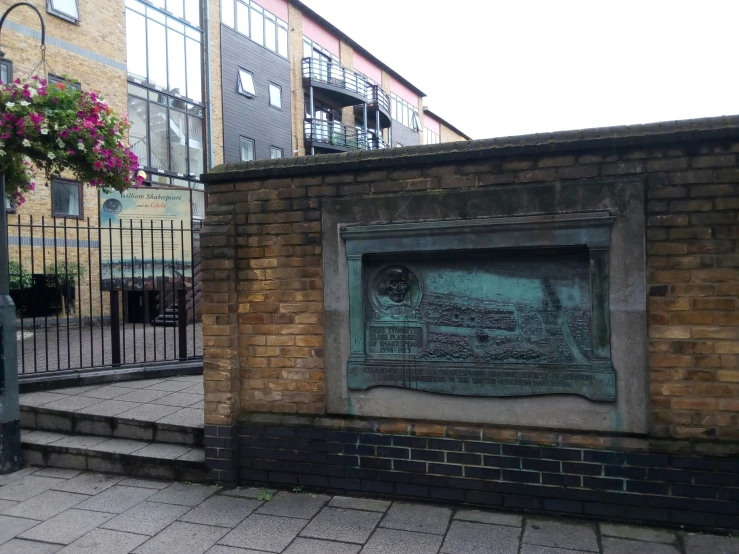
x=253 y=117
x=404 y=135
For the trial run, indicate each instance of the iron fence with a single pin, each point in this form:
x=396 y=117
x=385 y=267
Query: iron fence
x=90 y=296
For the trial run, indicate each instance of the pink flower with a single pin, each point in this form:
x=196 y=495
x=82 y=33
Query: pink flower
x=64 y=133
x=98 y=165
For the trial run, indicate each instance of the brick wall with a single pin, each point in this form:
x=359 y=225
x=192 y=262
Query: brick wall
x=693 y=279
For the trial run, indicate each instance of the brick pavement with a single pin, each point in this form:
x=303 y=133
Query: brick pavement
x=48 y=511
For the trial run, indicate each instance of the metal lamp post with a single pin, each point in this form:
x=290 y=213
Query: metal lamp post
x=10 y=426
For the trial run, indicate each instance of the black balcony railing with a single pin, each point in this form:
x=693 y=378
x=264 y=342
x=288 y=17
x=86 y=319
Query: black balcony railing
x=336 y=136
x=330 y=73
x=375 y=95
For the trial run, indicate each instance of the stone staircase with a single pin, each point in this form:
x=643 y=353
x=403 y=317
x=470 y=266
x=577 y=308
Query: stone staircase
x=57 y=434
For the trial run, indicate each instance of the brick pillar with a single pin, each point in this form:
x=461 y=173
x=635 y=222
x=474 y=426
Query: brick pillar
x=220 y=341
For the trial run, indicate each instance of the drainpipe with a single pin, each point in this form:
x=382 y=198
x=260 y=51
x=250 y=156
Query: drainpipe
x=207 y=77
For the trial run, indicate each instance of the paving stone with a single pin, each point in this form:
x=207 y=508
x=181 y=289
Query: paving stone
x=220 y=549
x=80 y=441
x=28 y=487
x=66 y=527
x=623 y=546
x=145 y=483
x=19 y=546
x=16 y=475
x=536 y=549
x=106 y=392
x=46 y=505
x=5 y=504
x=89 y=483
x=417 y=517
x=11 y=527
x=163 y=451
x=492 y=518
x=71 y=403
x=41 y=437
x=181 y=538
x=392 y=541
x=139 y=383
x=557 y=534
x=179 y=399
x=148 y=412
x=116 y=500
x=342 y=525
x=224 y=511
x=710 y=544
x=188 y=417
x=171 y=386
x=366 y=504
x=57 y=473
x=108 y=408
x=287 y=504
x=194 y=455
x=262 y=532
x=40 y=398
x=73 y=391
x=248 y=492
x=184 y=495
x=104 y=541
x=120 y=446
x=480 y=538
x=312 y=546
x=147 y=518
x=195 y=389
x=636 y=533
x=142 y=396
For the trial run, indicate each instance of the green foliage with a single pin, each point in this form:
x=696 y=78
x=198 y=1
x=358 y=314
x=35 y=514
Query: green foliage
x=297 y=489
x=265 y=496
x=20 y=278
x=65 y=273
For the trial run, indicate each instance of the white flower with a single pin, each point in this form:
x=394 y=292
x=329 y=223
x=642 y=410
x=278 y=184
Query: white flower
x=44 y=131
x=10 y=104
x=2 y=144
x=2 y=152
x=51 y=155
x=32 y=92
x=26 y=142
x=25 y=103
x=60 y=142
x=80 y=146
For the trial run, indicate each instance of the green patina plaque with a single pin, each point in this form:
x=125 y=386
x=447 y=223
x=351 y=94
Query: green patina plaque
x=481 y=322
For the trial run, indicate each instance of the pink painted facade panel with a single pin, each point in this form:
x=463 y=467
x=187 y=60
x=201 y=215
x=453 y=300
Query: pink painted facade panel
x=431 y=124
x=366 y=67
x=277 y=7
x=403 y=92
x=321 y=36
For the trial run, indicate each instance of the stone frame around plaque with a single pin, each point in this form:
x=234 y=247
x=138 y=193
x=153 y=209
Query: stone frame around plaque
x=594 y=380
x=623 y=256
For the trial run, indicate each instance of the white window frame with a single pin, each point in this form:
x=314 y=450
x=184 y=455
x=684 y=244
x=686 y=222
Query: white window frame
x=273 y=149
x=242 y=90
x=242 y=140
x=54 y=10
x=279 y=88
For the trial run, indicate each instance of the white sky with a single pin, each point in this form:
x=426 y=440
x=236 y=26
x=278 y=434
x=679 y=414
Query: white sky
x=494 y=68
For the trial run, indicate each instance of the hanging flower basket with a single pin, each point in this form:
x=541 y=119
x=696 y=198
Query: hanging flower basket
x=56 y=128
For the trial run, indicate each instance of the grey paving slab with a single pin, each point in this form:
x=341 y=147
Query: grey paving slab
x=142 y=395
x=139 y=383
x=28 y=487
x=16 y=475
x=71 y=403
x=480 y=538
x=182 y=538
x=194 y=455
x=41 y=437
x=108 y=408
x=146 y=483
x=366 y=504
x=492 y=518
x=5 y=504
x=101 y=541
x=57 y=473
x=394 y=541
x=637 y=533
x=89 y=483
x=705 y=544
x=246 y=492
x=148 y=412
x=120 y=446
x=73 y=391
x=163 y=451
x=46 y=505
x=171 y=386
x=342 y=525
x=287 y=504
x=11 y=527
x=220 y=549
x=417 y=517
x=181 y=399
x=106 y=392
x=40 y=398
x=612 y=545
x=184 y=495
x=558 y=534
x=263 y=532
x=194 y=389
x=20 y=546
x=79 y=441
x=189 y=417
x=116 y=499
x=537 y=549
x=66 y=527
x=147 y=518
x=224 y=511
x=313 y=546
x=187 y=378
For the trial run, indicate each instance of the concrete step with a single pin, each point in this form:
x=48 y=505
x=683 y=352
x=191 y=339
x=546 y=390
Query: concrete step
x=38 y=418
x=113 y=455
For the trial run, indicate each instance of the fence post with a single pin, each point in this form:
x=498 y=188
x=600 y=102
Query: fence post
x=115 y=327
x=182 y=322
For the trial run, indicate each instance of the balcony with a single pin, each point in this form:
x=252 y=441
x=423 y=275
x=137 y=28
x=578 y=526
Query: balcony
x=378 y=102
x=336 y=137
x=333 y=83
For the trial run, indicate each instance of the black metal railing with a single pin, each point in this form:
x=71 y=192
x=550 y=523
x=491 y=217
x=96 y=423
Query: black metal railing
x=375 y=95
x=90 y=296
x=332 y=73
x=332 y=133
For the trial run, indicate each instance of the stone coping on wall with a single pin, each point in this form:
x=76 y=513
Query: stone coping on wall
x=520 y=436
x=634 y=136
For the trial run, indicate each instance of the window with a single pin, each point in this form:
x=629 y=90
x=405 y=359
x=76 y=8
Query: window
x=58 y=79
x=6 y=71
x=246 y=83
x=66 y=9
x=165 y=51
x=166 y=132
x=247 y=149
x=10 y=205
x=253 y=21
x=66 y=198
x=404 y=113
x=275 y=153
x=275 y=96
x=430 y=137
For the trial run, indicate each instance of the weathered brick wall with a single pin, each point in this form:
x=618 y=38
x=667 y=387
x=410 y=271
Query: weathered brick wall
x=693 y=279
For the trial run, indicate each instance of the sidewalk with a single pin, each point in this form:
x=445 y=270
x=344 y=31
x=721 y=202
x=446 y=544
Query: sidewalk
x=48 y=511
